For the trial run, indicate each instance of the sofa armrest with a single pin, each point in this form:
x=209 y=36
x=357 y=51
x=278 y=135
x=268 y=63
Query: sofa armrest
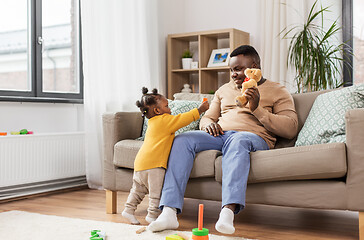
x=355 y=156
x=117 y=126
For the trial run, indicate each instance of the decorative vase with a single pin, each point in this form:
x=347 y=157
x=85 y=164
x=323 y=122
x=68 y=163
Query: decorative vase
x=186 y=88
x=186 y=63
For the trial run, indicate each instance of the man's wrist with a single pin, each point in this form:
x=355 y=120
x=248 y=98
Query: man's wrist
x=259 y=112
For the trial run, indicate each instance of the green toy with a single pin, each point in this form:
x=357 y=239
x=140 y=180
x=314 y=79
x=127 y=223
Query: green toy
x=97 y=235
x=23 y=131
x=93 y=232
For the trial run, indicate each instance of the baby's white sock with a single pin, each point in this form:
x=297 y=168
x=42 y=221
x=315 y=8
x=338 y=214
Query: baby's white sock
x=166 y=220
x=149 y=219
x=131 y=218
x=225 y=224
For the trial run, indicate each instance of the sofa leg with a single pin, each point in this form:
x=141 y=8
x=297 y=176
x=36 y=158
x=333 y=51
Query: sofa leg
x=361 y=225
x=111 y=201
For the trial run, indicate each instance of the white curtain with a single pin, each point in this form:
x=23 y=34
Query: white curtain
x=120 y=50
x=276 y=15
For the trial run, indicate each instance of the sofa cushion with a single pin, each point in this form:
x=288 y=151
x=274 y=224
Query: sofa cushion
x=321 y=161
x=303 y=103
x=125 y=152
x=326 y=120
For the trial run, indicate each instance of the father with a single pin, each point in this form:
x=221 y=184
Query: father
x=235 y=132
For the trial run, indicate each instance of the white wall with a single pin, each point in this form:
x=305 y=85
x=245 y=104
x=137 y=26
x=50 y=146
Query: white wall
x=190 y=16
x=41 y=117
x=209 y=15
x=177 y=16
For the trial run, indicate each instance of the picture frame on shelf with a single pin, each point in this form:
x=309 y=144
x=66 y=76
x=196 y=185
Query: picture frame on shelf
x=219 y=57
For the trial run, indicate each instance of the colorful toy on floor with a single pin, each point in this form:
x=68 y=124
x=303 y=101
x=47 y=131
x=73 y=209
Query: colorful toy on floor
x=140 y=230
x=3 y=133
x=200 y=233
x=178 y=236
x=97 y=235
x=175 y=237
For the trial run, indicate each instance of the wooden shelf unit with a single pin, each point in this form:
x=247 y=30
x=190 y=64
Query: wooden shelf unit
x=201 y=79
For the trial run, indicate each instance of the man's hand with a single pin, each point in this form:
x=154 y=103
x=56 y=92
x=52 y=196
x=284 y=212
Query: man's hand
x=214 y=129
x=253 y=96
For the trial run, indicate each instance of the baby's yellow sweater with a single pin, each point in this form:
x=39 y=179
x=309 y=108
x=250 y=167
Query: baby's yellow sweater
x=159 y=138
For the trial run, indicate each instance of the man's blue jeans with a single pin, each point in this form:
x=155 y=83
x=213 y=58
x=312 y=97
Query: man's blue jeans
x=235 y=147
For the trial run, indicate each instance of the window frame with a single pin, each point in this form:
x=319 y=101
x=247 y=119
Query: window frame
x=347 y=31
x=35 y=70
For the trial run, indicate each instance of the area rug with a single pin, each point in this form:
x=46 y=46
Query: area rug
x=19 y=225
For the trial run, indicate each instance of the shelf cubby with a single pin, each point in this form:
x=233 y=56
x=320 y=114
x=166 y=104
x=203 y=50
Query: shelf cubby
x=202 y=79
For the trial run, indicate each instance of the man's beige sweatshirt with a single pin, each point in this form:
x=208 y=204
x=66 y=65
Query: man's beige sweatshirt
x=275 y=115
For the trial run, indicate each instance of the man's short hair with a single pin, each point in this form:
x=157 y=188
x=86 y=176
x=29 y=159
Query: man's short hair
x=247 y=50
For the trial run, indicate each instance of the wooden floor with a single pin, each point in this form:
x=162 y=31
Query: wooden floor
x=256 y=221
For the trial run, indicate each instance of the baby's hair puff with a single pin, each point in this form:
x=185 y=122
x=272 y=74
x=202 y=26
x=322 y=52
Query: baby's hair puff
x=147 y=101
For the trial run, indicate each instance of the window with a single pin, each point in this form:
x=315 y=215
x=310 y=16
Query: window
x=358 y=41
x=353 y=35
x=40 y=57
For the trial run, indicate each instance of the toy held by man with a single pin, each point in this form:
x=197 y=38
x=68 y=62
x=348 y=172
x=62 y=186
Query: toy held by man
x=253 y=76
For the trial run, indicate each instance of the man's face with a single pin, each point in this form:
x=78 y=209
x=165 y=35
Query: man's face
x=238 y=64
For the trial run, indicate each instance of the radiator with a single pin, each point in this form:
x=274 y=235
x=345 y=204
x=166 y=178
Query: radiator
x=41 y=160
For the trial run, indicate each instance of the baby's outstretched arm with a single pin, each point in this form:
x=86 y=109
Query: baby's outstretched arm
x=203 y=107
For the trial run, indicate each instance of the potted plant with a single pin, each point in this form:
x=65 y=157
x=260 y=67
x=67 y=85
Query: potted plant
x=186 y=59
x=317 y=61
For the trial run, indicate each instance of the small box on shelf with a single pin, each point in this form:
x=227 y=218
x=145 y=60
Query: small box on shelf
x=194 y=65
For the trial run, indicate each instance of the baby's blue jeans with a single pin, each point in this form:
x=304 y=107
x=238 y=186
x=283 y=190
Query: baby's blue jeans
x=235 y=147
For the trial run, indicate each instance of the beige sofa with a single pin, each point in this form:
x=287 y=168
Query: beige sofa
x=326 y=176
